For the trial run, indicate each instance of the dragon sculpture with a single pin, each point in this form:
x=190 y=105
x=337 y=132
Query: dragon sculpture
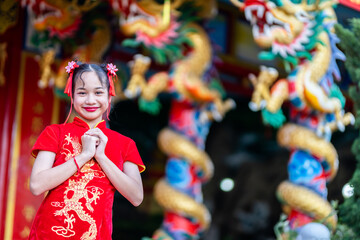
x=301 y=34
x=185 y=44
x=61 y=22
x=9 y=11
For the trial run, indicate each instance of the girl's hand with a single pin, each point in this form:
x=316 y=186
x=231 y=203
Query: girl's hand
x=100 y=149
x=89 y=144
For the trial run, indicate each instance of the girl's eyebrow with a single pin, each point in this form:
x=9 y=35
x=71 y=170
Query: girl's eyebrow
x=83 y=88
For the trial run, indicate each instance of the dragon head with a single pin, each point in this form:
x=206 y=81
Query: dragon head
x=145 y=19
x=159 y=27
x=290 y=28
x=151 y=18
x=60 y=17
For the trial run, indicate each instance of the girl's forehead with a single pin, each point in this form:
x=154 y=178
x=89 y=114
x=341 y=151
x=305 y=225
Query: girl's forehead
x=88 y=79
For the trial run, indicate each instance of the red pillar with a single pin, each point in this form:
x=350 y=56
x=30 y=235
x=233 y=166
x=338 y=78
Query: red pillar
x=25 y=110
x=13 y=37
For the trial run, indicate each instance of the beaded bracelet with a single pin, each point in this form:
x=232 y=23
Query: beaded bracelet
x=77 y=166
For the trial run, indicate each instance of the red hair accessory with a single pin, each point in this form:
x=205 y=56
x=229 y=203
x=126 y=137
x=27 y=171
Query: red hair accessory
x=68 y=88
x=111 y=72
x=70 y=69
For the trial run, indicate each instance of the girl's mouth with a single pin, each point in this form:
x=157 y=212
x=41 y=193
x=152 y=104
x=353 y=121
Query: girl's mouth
x=90 y=109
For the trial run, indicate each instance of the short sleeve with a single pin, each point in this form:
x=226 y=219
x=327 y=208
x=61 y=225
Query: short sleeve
x=133 y=156
x=47 y=141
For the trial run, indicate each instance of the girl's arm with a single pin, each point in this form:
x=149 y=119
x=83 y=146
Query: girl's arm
x=45 y=177
x=128 y=182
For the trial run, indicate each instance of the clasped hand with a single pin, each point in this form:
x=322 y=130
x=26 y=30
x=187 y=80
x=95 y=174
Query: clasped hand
x=94 y=142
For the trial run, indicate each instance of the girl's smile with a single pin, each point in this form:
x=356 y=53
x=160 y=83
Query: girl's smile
x=91 y=109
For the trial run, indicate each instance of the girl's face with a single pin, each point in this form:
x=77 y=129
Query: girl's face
x=90 y=98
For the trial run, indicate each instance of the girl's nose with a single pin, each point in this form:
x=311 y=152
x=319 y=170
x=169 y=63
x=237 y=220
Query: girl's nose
x=90 y=99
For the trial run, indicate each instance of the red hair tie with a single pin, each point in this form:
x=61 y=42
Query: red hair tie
x=111 y=73
x=70 y=69
x=68 y=88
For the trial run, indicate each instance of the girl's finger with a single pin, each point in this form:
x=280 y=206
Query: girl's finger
x=97 y=133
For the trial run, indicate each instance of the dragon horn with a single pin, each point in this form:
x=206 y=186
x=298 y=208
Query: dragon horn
x=320 y=5
x=292 y=8
x=156 y=7
x=166 y=12
x=237 y=3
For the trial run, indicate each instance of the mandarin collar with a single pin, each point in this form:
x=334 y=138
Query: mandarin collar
x=78 y=121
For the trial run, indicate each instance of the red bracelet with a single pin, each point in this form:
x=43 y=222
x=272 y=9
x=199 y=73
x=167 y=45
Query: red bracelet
x=77 y=166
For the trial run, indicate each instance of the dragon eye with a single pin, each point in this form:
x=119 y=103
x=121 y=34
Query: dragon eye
x=302 y=16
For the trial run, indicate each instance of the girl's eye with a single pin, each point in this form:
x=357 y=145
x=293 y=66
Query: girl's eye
x=81 y=93
x=99 y=92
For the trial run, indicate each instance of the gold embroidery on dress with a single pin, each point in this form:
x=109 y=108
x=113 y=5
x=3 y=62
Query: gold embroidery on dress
x=74 y=142
x=76 y=190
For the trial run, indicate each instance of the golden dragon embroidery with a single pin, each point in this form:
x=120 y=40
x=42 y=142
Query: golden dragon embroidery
x=76 y=190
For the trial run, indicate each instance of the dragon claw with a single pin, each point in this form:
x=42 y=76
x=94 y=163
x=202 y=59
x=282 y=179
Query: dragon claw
x=217 y=116
x=262 y=104
x=41 y=84
x=254 y=107
x=232 y=103
x=327 y=130
x=340 y=126
x=132 y=94
x=142 y=58
x=319 y=131
x=352 y=119
x=203 y=117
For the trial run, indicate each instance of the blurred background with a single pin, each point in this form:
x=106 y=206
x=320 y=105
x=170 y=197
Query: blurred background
x=249 y=164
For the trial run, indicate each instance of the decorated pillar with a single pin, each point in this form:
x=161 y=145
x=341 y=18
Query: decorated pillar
x=197 y=100
x=301 y=35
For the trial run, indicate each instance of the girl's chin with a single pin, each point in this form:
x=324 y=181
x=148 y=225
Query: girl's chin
x=91 y=117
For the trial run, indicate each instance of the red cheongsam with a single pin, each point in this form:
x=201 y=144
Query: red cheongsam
x=80 y=207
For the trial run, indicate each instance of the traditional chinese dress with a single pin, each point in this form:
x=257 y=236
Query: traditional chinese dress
x=80 y=207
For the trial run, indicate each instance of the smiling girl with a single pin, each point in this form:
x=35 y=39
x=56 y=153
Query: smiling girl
x=82 y=163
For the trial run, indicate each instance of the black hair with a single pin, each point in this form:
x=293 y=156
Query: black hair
x=99 y=70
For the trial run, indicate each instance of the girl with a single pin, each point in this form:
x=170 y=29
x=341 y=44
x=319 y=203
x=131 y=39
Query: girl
x=82 y=163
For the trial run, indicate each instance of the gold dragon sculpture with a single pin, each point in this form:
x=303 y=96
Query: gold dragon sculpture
x=301 y=34
x=160 y=29
x=9 y=11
